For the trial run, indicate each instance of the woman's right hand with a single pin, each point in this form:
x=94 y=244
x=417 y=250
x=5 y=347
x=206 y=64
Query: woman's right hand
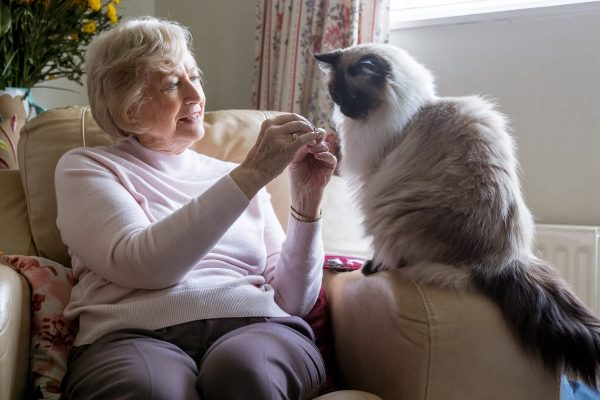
x=274 y=149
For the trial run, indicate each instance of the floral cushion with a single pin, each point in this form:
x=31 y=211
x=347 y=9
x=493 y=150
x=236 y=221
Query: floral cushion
x=51 y=335
x=338 y=263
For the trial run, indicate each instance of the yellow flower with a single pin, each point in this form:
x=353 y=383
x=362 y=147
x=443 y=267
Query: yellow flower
x=95 y=5
x=78 y=22
x=111 y=13
x=89 y=27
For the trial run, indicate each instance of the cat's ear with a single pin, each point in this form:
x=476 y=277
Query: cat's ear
x=329 y=58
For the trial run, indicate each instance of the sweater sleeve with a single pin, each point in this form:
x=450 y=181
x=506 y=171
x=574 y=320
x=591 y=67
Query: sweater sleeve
x=295 y=267
x=105 y=227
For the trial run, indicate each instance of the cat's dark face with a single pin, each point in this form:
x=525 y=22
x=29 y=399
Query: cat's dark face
x=357 y=80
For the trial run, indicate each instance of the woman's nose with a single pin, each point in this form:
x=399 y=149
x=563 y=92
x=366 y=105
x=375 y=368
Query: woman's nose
x=194 y=92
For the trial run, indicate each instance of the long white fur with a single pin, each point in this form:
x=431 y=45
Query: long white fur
x=436 y=179
x=370 y=164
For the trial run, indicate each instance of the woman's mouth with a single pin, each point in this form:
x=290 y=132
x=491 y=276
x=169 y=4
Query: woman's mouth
x=191 y=118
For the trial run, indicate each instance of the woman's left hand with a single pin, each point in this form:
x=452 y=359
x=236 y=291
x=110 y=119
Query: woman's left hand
x=310 y=171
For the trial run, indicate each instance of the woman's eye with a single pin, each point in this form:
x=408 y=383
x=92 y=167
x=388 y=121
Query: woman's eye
x=195 y=78
x=172 y=85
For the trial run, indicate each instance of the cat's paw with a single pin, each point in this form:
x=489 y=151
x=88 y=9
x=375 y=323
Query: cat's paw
x=369 y=268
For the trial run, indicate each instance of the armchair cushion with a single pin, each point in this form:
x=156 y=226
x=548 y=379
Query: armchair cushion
x=51 y=335
x=15 y=235
x=43 y=141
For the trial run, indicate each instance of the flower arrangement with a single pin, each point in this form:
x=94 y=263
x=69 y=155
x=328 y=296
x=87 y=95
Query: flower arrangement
x=42 y=40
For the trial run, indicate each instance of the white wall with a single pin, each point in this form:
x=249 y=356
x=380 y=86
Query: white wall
x=77 y=94
x=545 y=74
x=224 y=38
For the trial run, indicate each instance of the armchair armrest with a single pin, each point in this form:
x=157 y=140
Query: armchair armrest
x=399 y=341
x=14 y=333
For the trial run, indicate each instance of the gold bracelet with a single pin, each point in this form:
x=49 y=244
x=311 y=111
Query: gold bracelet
x=303 y=218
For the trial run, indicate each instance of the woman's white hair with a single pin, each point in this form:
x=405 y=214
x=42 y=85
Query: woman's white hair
x=118 y=63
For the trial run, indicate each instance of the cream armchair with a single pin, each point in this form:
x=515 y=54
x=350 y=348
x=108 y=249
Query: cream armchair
x=393 y=338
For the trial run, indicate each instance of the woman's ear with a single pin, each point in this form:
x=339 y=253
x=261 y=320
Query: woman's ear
x=132 y=115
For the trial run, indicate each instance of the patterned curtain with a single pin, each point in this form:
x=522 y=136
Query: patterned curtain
x=286 y=76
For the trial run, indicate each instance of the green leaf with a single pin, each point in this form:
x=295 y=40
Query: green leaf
x=8 y=62
x=5 y=19
x=38 y=44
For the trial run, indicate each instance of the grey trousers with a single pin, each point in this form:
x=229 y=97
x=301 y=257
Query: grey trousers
x=233 y=358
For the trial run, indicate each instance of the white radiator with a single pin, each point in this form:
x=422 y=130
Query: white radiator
x=574 y=251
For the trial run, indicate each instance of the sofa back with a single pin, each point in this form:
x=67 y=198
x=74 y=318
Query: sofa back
x=229 y=135
x=42 y=142
x=15 y=235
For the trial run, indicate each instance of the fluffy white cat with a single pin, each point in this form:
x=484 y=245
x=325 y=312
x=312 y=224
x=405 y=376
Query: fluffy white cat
x=436 y=179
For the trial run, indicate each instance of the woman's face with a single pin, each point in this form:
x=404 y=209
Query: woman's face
x=173 y=108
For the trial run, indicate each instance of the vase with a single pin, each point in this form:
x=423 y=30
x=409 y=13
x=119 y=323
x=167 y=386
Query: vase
x=16 y=107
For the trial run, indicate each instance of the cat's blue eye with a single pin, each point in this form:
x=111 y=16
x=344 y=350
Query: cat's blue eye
x=368 y=65
x=365 y=66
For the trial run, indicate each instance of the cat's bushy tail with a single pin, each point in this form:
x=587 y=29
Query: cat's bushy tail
x=545 y=315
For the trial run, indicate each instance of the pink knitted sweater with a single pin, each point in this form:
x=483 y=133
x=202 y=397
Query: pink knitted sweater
x=159 y=239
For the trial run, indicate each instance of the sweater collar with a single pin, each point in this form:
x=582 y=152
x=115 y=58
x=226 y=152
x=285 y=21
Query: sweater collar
x=173 y=164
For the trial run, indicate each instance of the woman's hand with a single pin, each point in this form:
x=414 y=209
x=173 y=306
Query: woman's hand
x=278 y=143
x=310 y=171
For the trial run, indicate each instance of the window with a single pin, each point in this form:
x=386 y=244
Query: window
x=410 y=13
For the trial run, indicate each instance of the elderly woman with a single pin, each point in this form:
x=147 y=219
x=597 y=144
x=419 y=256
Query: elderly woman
x=190 y=288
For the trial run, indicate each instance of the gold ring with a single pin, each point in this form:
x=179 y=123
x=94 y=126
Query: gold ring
x=294 y=137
